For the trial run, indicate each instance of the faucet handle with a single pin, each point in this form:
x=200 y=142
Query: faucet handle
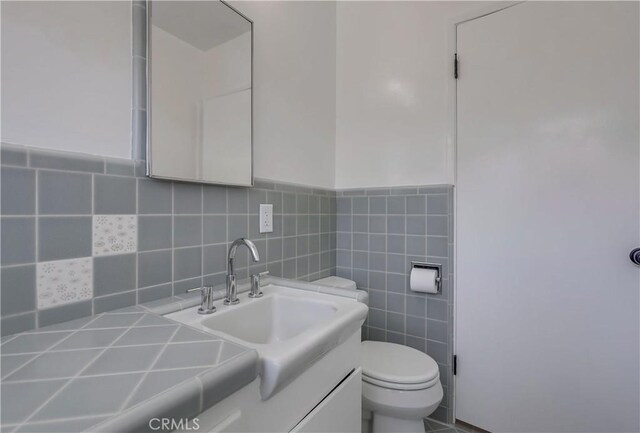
x=256 y=283
x=205 y=290
x=206 y=299
x=261 y=277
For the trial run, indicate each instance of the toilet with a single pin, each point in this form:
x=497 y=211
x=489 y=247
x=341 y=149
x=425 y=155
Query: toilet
x=400 y=385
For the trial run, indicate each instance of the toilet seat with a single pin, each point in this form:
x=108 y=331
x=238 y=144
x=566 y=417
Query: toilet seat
x=401 y=386
x=394 y=366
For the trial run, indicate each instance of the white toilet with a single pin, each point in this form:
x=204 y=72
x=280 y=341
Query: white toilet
x=400 y=385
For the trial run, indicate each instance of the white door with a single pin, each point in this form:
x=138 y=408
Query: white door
x=547 y=299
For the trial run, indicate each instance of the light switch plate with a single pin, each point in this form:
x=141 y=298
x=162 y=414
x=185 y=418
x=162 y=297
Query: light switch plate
x=266 y=218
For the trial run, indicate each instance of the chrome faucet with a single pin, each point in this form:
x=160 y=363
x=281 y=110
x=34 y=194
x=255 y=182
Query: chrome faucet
x=232 y=291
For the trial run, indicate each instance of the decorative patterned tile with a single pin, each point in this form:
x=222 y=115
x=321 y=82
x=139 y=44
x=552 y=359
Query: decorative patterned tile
x=114 y=234
x=101 y=224
x=64 y=281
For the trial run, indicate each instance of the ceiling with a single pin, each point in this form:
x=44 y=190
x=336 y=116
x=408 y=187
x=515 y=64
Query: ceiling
x=202 y=24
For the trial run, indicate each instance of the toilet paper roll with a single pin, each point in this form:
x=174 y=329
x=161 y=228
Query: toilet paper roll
x=423 y=280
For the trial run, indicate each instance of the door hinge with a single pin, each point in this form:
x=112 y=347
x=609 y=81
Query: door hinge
x=455 y=66
x=455 y=364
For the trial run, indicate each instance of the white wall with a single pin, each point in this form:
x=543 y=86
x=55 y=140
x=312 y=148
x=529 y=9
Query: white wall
x=73 y=90
x=228 y=67
x=66 y=76
x=389 y=97
x=363 y=108
x=294 y=90
x=175 y=118
x=391 y=93
x=226 y=113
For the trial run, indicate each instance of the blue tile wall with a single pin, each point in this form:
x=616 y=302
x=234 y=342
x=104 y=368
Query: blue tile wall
x=379 y=232
x=56 y=212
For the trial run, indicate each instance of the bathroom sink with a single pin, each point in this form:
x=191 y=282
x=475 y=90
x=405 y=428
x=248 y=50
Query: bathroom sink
x=290 y=328
x=271 y=319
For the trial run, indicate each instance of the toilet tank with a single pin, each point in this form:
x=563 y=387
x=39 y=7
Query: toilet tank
x=339 y=282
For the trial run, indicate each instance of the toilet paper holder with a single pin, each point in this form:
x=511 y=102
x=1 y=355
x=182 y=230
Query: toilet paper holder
x=435 y=266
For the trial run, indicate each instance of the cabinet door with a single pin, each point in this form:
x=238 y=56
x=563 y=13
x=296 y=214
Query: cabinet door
x=340 y=411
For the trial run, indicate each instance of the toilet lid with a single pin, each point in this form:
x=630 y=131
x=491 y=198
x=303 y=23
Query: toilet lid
x=395 y=363
x=339 y=282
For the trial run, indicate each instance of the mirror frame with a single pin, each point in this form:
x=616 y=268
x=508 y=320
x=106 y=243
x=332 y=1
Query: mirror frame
x=147 y=85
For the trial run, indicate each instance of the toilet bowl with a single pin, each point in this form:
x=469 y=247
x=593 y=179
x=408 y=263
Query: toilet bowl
x=400 y=385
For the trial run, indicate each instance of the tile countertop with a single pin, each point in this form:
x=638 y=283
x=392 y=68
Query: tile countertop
x=115 y=371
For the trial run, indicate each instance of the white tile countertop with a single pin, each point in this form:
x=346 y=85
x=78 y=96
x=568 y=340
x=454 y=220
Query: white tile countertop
x=114 y=372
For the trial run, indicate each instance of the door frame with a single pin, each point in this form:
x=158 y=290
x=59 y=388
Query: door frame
x=452 y=143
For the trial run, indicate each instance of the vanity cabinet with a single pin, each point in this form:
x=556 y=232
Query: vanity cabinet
x=340 y=411
x=326 y=397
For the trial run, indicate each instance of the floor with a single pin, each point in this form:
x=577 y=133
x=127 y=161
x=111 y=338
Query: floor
x=432 y=426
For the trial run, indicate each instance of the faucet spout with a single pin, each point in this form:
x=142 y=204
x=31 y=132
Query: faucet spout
x=232 y=296
x=234 y=247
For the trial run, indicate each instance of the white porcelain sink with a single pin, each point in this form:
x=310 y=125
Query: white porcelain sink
x=270 y=319
x=290 y=328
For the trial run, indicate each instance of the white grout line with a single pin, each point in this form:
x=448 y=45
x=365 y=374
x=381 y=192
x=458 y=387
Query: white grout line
x=201 y=243
x=144 y=376
x=63 y=387
x=219 y=354
x=48 y=349
x=93 y=184
x=9 y=338
x=136 y=260
x=44 y=330
x=7 y=374
x=36 y=252
x=311 y=193
x=173 y=242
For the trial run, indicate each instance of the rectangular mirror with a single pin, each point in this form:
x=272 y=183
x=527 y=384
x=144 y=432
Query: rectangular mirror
x=199 y=109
